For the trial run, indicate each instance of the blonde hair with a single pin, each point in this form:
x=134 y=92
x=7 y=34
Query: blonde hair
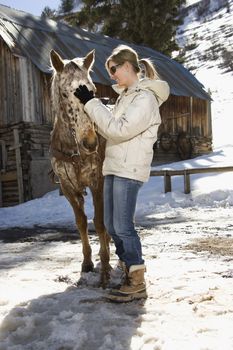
x=124 y=53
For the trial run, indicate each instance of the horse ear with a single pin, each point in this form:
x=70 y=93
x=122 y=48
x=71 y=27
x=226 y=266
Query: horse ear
x=56 y=61
x=89 y=60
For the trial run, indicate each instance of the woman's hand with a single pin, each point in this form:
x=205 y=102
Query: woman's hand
x=83 y=94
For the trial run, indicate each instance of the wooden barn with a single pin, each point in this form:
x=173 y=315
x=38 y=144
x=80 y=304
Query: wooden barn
x=25 y=106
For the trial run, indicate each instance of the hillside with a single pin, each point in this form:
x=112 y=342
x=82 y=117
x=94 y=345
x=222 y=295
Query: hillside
x=206 y=41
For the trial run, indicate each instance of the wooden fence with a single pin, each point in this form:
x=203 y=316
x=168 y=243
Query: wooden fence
x=167 y=175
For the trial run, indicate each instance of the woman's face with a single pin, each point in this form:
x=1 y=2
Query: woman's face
x=121 y=73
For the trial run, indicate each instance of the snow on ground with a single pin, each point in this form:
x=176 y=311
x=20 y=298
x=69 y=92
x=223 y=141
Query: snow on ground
x=190 y=291
x=47 y=303
x=206 y=190
x=211 y=34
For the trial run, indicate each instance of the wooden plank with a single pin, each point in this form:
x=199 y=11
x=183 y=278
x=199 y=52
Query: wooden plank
x=24 y=79
x=18 y=166
x=9 y=176
x=3 y=155
x=191 y=116
x=1 y=200
x=210 y=170
x=191 y=171
x=168 y=172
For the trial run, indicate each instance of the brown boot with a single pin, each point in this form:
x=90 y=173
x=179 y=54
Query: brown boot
x=123 y=278
x=133 y=288
x=121 y=265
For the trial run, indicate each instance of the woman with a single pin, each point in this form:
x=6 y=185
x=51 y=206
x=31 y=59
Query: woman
x=131 y=130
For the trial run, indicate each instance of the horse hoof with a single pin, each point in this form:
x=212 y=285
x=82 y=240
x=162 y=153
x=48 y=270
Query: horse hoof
x=88 y=267
x=104 y=280
x=103 y=284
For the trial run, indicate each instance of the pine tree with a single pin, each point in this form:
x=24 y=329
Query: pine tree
x=48 y=13
x=150 y=23
x=94 y=13
x=66 y=6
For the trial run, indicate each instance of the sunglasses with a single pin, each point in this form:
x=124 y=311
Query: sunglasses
x=113 y=69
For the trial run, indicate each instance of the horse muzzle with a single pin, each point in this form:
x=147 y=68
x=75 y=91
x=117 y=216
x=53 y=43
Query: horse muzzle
x=90 y=144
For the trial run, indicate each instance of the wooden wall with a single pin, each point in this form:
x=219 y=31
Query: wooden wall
x=189 y=114
x=10 y=87
x=24 y=90
x=24 y=169
x=186 y=116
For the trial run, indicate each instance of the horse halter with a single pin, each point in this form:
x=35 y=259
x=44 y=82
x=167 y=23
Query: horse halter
x=80 y=146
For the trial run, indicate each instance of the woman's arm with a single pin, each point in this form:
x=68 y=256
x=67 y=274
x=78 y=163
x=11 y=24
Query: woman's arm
x=138 y=116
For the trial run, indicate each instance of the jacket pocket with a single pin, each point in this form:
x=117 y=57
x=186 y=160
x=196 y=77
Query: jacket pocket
x=132 y=150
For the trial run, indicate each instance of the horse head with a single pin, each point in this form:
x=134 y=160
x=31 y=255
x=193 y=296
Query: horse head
x=68 y=75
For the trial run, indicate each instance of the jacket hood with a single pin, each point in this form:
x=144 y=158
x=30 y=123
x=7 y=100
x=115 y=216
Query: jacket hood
x=160 y=88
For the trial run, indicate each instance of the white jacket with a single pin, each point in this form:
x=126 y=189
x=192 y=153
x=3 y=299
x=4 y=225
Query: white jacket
x=131 y=128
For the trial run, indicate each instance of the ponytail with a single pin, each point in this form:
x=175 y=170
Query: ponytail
x=143 y=67
x=148 y=69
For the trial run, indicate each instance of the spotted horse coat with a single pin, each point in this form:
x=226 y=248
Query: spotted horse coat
x=77 y=152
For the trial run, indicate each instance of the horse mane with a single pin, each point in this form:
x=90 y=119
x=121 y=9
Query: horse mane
x=55 y=97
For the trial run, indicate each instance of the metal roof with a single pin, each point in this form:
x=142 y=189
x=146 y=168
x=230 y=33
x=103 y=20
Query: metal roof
x=34 y=37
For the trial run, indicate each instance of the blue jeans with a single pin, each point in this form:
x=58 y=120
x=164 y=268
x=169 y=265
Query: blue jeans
x=120 y=196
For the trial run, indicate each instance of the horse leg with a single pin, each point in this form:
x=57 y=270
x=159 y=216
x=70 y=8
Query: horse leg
x=77 y=203
x=104 y=238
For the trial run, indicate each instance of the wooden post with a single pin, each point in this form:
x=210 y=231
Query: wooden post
x=167 y=182
x=17 y=146
x=191 y=116
x=1 y=199
x=209 y=121
x=186 y=182
x=173 y=123
x=3 y=155
x=3 y=166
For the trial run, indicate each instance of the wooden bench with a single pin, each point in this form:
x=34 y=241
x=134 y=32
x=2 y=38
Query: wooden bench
x=167 y=174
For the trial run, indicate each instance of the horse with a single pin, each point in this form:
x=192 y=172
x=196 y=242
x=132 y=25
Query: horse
x=77 y=153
